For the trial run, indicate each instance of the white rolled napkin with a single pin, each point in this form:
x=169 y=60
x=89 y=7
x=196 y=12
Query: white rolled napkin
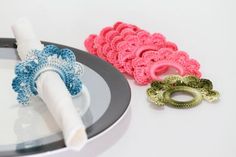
x=52 y=90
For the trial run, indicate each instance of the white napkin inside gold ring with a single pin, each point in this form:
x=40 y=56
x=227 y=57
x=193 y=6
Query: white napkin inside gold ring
x=52 y=90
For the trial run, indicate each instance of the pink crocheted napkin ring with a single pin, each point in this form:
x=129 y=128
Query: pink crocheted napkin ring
x=140 y=54
x=136 y=45
x=89 y=44
x=149 y=67
x=105 y=44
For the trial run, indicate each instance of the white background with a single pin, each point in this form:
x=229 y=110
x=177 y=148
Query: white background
x=203 y=28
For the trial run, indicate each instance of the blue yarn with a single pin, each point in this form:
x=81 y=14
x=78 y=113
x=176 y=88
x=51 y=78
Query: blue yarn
x=51 y=58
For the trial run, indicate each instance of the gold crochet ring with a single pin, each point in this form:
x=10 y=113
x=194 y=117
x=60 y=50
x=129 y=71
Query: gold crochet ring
x=197 y=97
x=161 y=92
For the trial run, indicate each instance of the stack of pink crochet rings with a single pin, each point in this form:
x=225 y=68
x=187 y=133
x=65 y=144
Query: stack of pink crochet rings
x=138 y=53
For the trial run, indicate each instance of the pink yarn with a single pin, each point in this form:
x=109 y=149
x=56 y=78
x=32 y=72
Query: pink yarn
x=134 y=46
x=154 y=63
x=104 y=31
x=89 y=44
x=138 y=53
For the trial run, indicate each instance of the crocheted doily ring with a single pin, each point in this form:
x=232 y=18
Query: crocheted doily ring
x=89 y=44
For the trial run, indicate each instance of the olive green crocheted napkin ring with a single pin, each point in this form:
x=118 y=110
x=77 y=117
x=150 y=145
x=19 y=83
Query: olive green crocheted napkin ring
x=160 y=92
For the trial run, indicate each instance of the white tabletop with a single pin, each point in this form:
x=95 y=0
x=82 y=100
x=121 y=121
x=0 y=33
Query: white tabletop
x=203 y=28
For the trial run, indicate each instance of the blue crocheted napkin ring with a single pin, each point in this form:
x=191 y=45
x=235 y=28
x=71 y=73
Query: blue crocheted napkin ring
x=51 y=58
